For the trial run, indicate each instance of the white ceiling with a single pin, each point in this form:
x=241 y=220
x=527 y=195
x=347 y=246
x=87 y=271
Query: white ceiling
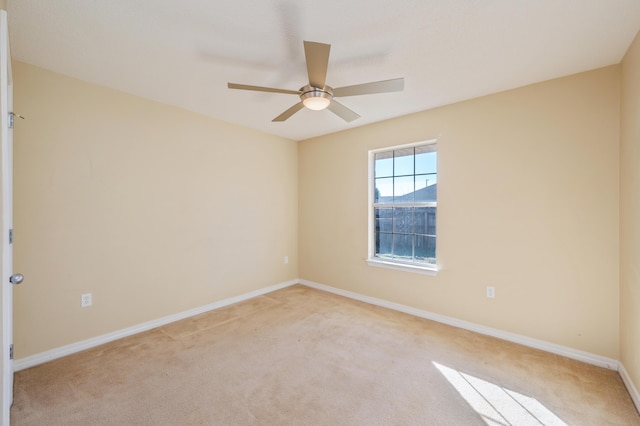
x=184 y=52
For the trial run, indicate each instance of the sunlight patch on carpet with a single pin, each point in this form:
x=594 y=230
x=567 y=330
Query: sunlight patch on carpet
x=496 y=405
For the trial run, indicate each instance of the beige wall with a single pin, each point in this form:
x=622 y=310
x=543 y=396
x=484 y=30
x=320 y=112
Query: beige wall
x=152 y=209
x=630 y=214
x=156 y=210
x=528 y=197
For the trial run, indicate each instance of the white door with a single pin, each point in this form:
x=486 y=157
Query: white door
x=6 y=186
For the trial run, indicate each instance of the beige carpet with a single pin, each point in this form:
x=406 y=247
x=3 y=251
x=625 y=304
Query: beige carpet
x=300 y=356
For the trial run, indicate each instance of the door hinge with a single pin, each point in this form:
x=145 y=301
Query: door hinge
x=10 y=236
x=12 y=116
x=11 y=351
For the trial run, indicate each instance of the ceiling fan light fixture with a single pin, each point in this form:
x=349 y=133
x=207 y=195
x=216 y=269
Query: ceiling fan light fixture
x=316 y=103
x=316 y=99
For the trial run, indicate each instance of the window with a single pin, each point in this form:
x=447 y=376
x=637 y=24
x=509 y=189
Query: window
x=403 y=191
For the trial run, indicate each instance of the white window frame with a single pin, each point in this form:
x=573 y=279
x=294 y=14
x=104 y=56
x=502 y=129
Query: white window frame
x=423 y=268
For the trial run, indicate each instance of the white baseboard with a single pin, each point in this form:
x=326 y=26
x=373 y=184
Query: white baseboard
x=23 y=363
x=633 y=391
x=587 y=357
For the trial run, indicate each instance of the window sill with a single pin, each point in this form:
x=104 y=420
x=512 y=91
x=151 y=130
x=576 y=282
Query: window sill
x=427 y=269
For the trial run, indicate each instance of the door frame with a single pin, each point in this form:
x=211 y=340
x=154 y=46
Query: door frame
x=6 y=185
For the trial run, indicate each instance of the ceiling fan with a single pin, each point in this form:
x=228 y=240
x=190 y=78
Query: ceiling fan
x=317 y=95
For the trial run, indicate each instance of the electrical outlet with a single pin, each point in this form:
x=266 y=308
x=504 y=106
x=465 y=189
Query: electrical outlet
x=491 y=292
x=85 y=300
x=286 y=260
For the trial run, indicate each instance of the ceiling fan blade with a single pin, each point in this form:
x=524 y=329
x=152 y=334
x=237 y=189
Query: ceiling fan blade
x=288 y=113
x=395 y=85
x=342 y=111
x=317 y=55
x=262 y=89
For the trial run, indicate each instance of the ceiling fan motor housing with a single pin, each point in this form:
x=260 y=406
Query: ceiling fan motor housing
x=315 y=98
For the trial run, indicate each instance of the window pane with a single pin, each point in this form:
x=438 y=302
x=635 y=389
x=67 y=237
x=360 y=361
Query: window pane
x=403 y=179
x=383 y=190
x=426 y=187
x=425 y=220
x=383 y=164
x=403 y=220
x=403 y=162
x=425 y=248
x=384 y=243
x=426 y=162
x=403 y=246
x=403 y=189
x=384 y=220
